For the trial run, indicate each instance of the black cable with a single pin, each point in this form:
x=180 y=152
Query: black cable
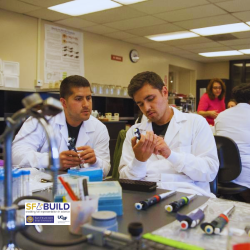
x=39 y=241
x=82 y=239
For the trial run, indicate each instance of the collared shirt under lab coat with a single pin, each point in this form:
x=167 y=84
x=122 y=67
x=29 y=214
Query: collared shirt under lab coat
x=193 y=161
x=32 y=150
x=235 y=124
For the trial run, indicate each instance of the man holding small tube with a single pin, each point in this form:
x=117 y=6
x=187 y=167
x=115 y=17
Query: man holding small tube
x=90 y=135
x=176 y=150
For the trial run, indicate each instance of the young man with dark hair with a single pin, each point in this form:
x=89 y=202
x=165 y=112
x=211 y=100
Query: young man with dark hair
x=235 y=124
x=176 y=150
x=89 y=135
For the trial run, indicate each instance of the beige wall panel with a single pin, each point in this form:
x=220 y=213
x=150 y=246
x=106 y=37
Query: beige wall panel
x=212 y=70
x=18 y=43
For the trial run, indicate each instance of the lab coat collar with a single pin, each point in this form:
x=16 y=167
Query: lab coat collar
x=83 y=136
x=173 y=128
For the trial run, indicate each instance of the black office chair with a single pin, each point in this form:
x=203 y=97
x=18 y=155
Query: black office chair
x=230 y=166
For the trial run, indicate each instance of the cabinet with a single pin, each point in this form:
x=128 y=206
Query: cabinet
x=11 y=101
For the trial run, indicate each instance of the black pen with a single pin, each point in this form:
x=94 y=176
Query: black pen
x=85 y=189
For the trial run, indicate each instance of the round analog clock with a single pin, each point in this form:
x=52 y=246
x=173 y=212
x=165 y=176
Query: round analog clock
x=134 y=56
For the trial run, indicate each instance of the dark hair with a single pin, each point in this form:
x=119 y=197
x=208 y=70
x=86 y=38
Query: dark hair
x=241 y=93
x=232 y=100
x=147 y=77
x=210 y=89
x=70 y=82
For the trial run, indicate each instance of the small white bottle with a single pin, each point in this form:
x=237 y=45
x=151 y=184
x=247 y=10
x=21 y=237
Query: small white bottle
x=26 y=182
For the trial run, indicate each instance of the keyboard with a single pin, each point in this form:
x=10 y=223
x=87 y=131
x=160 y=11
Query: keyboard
x=135 y=185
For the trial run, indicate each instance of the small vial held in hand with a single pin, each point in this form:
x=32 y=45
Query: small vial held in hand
x=137 y=133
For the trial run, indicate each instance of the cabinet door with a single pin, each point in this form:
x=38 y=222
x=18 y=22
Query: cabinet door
x=237 y=72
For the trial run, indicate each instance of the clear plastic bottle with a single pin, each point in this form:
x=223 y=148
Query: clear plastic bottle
x=26 y=182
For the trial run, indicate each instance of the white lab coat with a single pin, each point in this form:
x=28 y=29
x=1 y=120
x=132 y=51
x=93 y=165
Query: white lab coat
x=193 y=161
x=235 y=124
x=32 y=150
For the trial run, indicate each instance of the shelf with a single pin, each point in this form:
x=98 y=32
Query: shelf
x=112 y=96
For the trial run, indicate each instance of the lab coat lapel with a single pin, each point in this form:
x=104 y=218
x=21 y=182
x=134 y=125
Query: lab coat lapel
x=174 y=126
x=61 y=122
x=83 y=136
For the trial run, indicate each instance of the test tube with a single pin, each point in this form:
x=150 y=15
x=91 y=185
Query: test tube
x=26 y=182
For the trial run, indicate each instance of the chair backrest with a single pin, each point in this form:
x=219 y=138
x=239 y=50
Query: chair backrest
x=214 y=185
x=229 y=157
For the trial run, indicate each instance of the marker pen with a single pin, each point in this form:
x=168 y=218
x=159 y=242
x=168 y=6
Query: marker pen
x=192 y=219
x=177 y=205
x=143 y=205
x=217 y=225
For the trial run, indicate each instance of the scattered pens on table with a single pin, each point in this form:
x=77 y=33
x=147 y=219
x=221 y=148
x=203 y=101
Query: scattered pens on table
x=217 y=225
x=192 y=219
x=143 y=205
x=177 y=205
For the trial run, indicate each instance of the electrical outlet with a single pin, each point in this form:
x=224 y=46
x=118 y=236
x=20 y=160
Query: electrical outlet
x=38 y=83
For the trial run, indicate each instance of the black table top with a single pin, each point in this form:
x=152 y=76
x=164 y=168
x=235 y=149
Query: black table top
x=152 y=219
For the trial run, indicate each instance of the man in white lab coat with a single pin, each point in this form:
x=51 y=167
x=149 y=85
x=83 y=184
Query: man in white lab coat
x=176 y=150
x=235 y=124
x=90 y=135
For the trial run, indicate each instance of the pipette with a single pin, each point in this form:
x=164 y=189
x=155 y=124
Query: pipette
x=143 y=205
x=192 y=219
x=177 y=205
x=217 y=225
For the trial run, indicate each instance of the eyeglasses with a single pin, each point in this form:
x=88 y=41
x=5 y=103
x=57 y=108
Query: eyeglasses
x=216 y=87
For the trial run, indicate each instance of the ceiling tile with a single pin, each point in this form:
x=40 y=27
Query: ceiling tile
x=112 y=15
x=120 y=35
x=243 y=16
x=202 y=59
x=229 y=58
x=45 y=3
x=243 y=46
x=156 y=29
x=236 y=42
x=154 y=45
x=203 y=50
x=134 y=23
x=191 y=13
x=235 y=5
x=170 y=49
x=242 y=35
x=76 y=22
x=159 y=6
x=99 y=29
x=137 y=40
x=217 y=1
x=194 y=40
x=16 y=6
x=207 y=22
x=47 y=14
x=201 y=45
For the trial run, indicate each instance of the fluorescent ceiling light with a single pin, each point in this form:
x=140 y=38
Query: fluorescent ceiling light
x=82 y=7
x=222 y=29
x=126 y=2
x=245 y=51
x=221 y=53
x=172 y=36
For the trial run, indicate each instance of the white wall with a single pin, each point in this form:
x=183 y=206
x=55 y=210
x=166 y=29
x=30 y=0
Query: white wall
x=215 y=70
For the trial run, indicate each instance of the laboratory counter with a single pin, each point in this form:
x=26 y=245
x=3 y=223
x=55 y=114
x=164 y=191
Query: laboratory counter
x=152 y=219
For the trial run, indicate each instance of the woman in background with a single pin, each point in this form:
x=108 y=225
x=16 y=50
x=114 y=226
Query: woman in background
x=213 y=101
x=231 y=103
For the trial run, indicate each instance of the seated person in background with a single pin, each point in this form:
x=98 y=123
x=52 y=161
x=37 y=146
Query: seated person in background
x=231 y=103
x=235 y=124
x=176 y=150
x=213 y=101
x=91 y=136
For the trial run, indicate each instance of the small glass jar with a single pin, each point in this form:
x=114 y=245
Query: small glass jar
x=94 y=88
x=118 y=89
x=106 y=90
x=100 y=89
x=112 y=89
x=125 y=91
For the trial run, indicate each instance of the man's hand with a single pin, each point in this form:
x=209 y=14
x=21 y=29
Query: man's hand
x=86 y=154
x=213 y=113
x=69 y=159
x=145 y=146
x=162 y=148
